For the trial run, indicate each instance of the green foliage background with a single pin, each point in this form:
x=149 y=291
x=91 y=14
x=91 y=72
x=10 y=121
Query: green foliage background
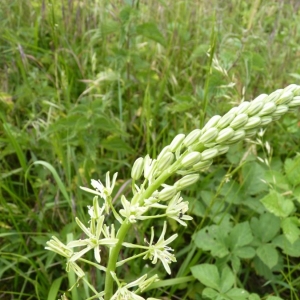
x=89 y=86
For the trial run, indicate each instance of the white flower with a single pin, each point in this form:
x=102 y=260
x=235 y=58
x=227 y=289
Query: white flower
x=160 y=250
x=177 y=209
x=100 y=189
x=131 y=211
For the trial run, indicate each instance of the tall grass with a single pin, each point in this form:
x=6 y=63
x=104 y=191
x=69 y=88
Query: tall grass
x=88 y=86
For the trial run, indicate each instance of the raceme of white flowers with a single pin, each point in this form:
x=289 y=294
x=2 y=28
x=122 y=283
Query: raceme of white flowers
x=185 y=156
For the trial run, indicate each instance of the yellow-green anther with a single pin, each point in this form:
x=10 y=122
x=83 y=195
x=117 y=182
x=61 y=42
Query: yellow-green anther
x=280 y=110
x=285 y=98
x=222 y=149
x=225 y=120
x=243 y=107
x=202 y=165
x=167 y=193
x=268 y=109
x=266 y=120
x=209 y=154
x=239 y=121
x=225 y=134
x=295 y=102
x=177 y=141
x=254 y=108
x=191 y=137
x=185 y=181
x=211 y=122
x=252 y=123
x=190 y=159
x=165 y=161
x=238 y=136
x=209 y=135
x=137 y=168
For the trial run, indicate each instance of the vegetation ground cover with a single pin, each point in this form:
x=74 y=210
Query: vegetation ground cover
x=87 y=87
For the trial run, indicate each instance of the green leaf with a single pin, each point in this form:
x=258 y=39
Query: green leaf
x=114 y=143
x=211 y=238
x=254 y=297
x=290 y=227
x=277 y=204
x=52 y=295
x=237 y=294
x=150 y=31
x=208 y=275
x=240 y=235
x=287 y=247
x=274 y=298
x=292 y=170
x=245 y=252
x=268 y=254
x=210 y=293
x=226 y=280
x=277 y=178
x=266 y=227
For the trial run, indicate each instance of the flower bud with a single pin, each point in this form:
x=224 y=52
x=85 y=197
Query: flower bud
x=268 y=109
x=238 y=136
x=186 y=181
x=266 y=120
x=273 y=97
x=295 y=102
x=225 y=134
x=177 y=141
x=191 y=137
x=209 y=154
x=137 y=168
x=209 y=135
x=239 y=121
x=280 y=110
x=225 y=120
x=149 y=167
x=291 y=88
x=167 y=193
x=163 y=151
x=250 y=132
x=252 y=122
x=211 y=122
x=165 y=161
x=222 y=149
x=201 y=165
x=255 y=107
x=285 y=98
x=190 y=159
x=243 y=107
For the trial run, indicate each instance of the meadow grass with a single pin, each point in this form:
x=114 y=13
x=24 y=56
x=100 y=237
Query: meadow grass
x=87 y=87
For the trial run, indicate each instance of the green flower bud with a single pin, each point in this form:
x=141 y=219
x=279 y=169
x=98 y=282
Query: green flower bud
x=165 y=161
x=222 y=149
x=167 y=193
x=291 y=88
x=268 y=109
x=266 y=120
x=243 y=107
x=273 y=97
x=191 y=137
x=252 y=122
x=225 y=120
x=239 y=121
x=254 y=108
x=201 y=165
x=186 y=181
x=280 y=110
x=238 y=136
x=137 y=168
x=211 y=123
x=190 y=159
x=225 y=134
x=250 y=132
x=209 y=154
x=295 y=102
x=177 y=141
x=285 y=98
x=163 y=152
x=209 y=135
